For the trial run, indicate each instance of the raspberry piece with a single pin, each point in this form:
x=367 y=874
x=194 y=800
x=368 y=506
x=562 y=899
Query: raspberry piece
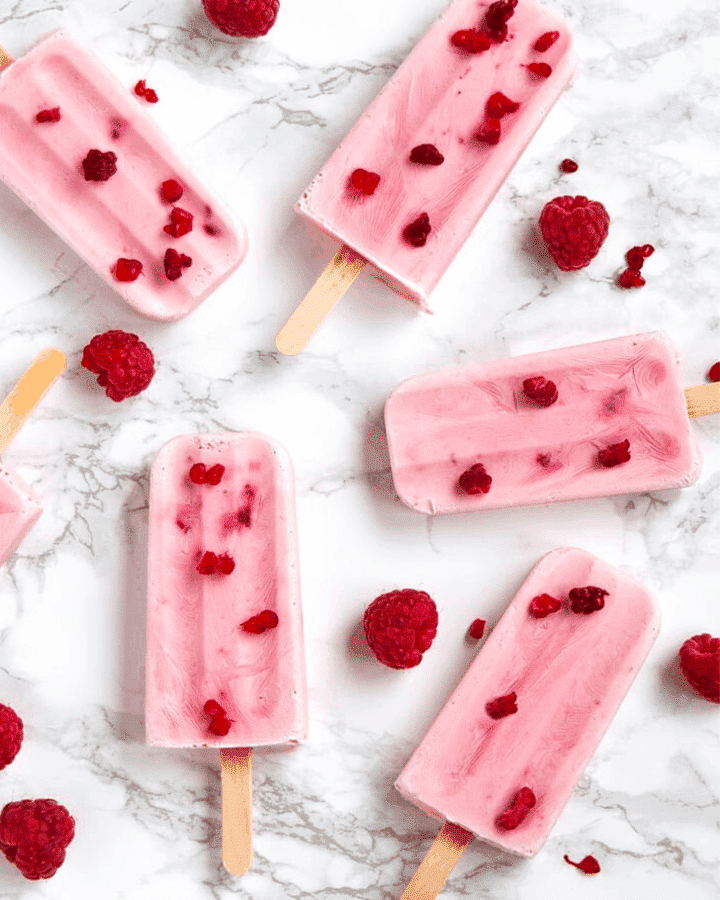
x=471 y=40
x=475 y=480
x=568 y=166
x=545 y=41
x=242 y=18
x=123 y=363
x=499 y=105
x=543 y=605
x=219 y=722
x=588 y=864
x=214 y=474
x=416 y=233
x=215 y=563
x=489 y=131
x=630 y=278
x=497 y=17
x=574 y=229
x=426 y=155
x=174 y=263
x=400 y=626
x=547 y=461
x=636 y=256
x=365 y=182
x=34 y=835
x=700 y=664
x=516 y=813
x=244 y=514
x=128 y=269
x=587 y=600
x=261 y=622
x=714 y=372
x=615 y=454
x=198 y=473
x=99 y=166
x=142 y=90
x=477 y=629
x=49 y=115
x=540 y=390
x=11 y=735
x=181 y=222
x=225 y=564
x=541 y=69
x=502 y=706
x=171 y=190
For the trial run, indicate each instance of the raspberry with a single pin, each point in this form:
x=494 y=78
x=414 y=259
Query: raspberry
x=615 y=454
x=568 y=166
x=128 y=269
x=99 y=166
x=499 y=105
x=588 y=864
x=174 y=263
x=123 y=363
x=541 y=69
x=489 y=131
x=630 y=278
x=416 y=233
x=400 y=626
x=426 y=155
x=365 y=182
x=181 y=222
x=242 y=18
x=497 y=17
x=34 y=835
x=200 y=474
x=11 y=735
x=700 y=664
x=547 y=461
x=543 y=605
x=573 y=229
x=636 y=256
x=502 y=706
x=244 y=514
x=475 y=480
x=540 y=390
x=471 y=40
x=48 y=115
x=171 y=190
x=219 y=722
x=477 y=629
x=142 y=90
x=215 y=563
x=714 y=372
x=516 y=813
x=545 y=41
x=587 y=599
x=261 y=622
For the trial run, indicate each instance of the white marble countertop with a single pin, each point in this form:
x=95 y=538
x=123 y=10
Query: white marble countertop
x=256 y=119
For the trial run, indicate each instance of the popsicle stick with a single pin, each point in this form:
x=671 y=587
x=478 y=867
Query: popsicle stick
x=439 y=862
x=5 y=59
x=28 y=392
x=703 y=399
x=334 y=281
x=236 y=780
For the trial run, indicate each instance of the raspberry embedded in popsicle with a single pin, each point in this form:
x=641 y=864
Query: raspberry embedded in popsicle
x=99 y=166
x=503 y=706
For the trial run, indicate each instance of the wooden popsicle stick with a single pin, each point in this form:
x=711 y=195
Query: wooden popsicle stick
x=28 y=392
x=439 y=862
x=5 y=59
x=703 y=399
x=333 y=282
x=236 y=781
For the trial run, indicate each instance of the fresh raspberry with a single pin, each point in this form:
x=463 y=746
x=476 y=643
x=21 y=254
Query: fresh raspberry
x=477 y=629
x=416 y=233
x=630 y=278
x=516 y=813
x=215 y=563
x=261 y=622
x=471 y=40
x=700 y=664
x=615 y=454
x=636 y=256
x=219 y=722
x=123 y=363
x=588 y=864
x=142 y=90
x=128 y=269
x=497 y=17
x=171 y=190
x=541 y=69
x=34 y=835
x=11 y=735
x=200 y=474
x=174 y=263
x=587 y=599
x=426 y=155
x=181 y=222
x=714 y=372
x=49 y=115
x=242 y=18
x=540 y=390
x=502 y=706
x=543 y=605
x=573 y=229
x=499 y=105
x=365 y=182
x=400 y=626
x=489 y=131
x=475 y=480
x=99 y=166
x=568 y=166
x=545 y=41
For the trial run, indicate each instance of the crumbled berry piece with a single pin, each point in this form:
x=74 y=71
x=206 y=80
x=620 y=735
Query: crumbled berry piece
x=174 y=263
x=426 y=155
x=502 y=706
x=197 y=473
x=225 y=564
x=545 y=41
x=171 y=190
x=219 y=722
x=34 y=835
x=547 y=461
x=400 y=626
x=568 y=166
x=215 y=563
x=543 y=605
x=142 y=90
x=477 y=629
x=615 y=454
x=181 y=222
x=214 y=474
x=11 y=735
x=416 y=233
x=541 y=69
x=471 y=40
x=540 y=390
x=497 y=17
x=630 y=278
x=588 y=864
x=475 y=480
x=242 y=18
x=212 y=230
x=243 y=517
x=714 y=372
x=117 y=127
x=636 y=256
x=489 y=131
x=587 y=600
x=574 y=229
x=49 y=115
x=128 y=269
x=99 y=166
x=517 y=811
x=123 y=363
x=700 y=664
x=499 y=105
x=261 y=622
x=364 y=182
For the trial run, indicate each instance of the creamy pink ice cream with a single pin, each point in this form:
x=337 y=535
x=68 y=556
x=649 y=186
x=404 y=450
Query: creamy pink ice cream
x=19 y=511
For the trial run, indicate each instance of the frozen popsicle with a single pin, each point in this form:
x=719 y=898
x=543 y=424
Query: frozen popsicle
x=504 y=754
x=410 y=181
x=19 y=507
x=225 y=656
x=80 y=150
x=593 y=420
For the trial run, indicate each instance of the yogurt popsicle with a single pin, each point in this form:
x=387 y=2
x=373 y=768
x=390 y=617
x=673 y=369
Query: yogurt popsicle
x=78 y=148
x=504 y=754
x=225 y=656
x=593 y=420
x=405 y=188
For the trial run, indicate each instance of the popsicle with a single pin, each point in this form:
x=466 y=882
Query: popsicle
x=225 y=655
x=80 y=150
x=19 y=507
x=504 y=754
x=405 y=188
x=605 y=418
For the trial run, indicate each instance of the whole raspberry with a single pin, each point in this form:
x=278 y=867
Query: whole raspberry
x=11 y=735
x=364 y=182
x=573 y=229
x=400 y=626
x=587 y=599
x=477 y=629
x=700 y=664
x=171 y=190
x=34 y=835
x=181 y=222
x=99 y=166
x=242 y=18
x=128 y=269
x=568 y=166
x=123 y=363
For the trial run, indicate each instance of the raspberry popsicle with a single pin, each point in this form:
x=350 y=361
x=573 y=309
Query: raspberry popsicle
x=408 y=184
x=225 y=655
x=78 y=148
x=594 y=420
x=504 y=754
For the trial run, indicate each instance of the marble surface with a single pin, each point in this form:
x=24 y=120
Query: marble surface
x=256 y=119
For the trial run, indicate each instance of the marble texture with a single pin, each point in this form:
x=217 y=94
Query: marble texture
x=256 y=119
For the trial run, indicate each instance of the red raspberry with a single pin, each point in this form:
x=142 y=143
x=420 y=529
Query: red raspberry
x=400 y=626
x=142 y=90
x=242 y=18
x=416 y=233
x=426 y=155
x=174 y=263
x=700 y=664
x=499 y=105
x=200 y=474
x=171 y=190
x=215 y=564
x=477 y=629
x=219 y=722
x=636 y=256
x=588 y=864
x=714 y=372
x=34 y=835
x=502 y=706
x=365 y=182
x=99 y=166
x=543 y=605
x=630 y=278
x=244 y=514
x=573 y=229
x=540 y=390
x=568 y=166
x=541 y=69
x=587 y=599
x=545 y=41
x=49 y=115
x=181 y=222
x=123 y=363
x=489 y=131
x=261 y=622
x=497 y=17
x=11 y=735
x=128 y=269
x=615 y=454
x=516 y=813
x=475 y=480
x=471 y=40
